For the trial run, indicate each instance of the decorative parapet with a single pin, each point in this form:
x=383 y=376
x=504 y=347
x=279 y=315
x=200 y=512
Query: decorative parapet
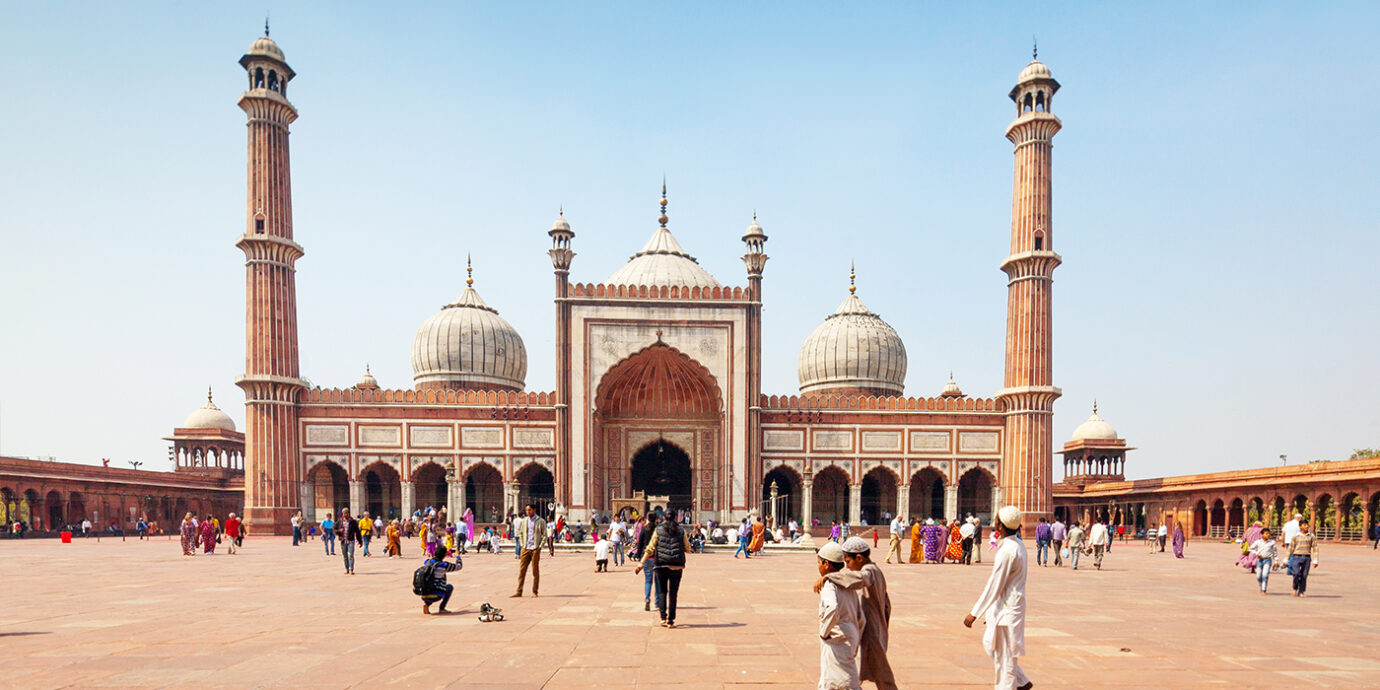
x=426 y=397
x=771 y=403
x=598 y=290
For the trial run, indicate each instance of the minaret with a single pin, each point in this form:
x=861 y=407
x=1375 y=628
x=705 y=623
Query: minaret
x=561 y=256
x=1028 y=396
x=755 y=241
x=271 y=381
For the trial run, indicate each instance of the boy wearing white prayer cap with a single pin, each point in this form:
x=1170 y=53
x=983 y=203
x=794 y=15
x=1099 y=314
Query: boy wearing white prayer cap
x=840 y=625
x=1002 y=603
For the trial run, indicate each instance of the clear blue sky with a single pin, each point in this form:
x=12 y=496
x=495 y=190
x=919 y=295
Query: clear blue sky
x=1215 y=197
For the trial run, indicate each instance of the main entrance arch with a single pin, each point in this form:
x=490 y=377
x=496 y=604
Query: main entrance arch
x=658 y=429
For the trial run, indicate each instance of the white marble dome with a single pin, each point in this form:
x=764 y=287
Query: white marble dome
x=266 y=46
x=1095 y=429
x=853 y=349
x=209 y=416
x=1034 y=70
x=468 y=345
x=662 y=262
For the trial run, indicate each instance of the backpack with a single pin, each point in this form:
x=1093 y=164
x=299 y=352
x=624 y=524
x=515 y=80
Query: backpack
x=424 y=580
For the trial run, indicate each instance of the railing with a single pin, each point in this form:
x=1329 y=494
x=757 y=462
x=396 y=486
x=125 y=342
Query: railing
x=1326 y=533
x=1352 y=534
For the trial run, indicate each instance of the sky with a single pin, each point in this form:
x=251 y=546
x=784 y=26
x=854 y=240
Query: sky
x=1214 y=198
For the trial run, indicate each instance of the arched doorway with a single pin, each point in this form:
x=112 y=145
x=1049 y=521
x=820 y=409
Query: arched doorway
x=788 y=486
x=1235 y=518
x=76 y=507
x=927 y=494
x=536 y=485
x=484 y=493
x=332 y=490
x=382 y=491
x=29 y=508
x=1325 y=518
x=429 y=488
x=54 y=505
x=658 y=429
x=975 y=495
x=878 y=496
x=1255 y=511
x=829 y=496
x=8 y=507
x=1353 y=519
x=1217 y=525
x=1200 y=519
x=1277 y=518
x=1299 y=506
x=663 y=469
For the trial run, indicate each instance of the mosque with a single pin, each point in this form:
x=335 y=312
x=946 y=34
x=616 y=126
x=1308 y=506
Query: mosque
x=657 y=396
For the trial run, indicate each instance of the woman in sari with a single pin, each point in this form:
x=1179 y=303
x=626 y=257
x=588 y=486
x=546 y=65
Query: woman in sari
x=423 y=535
x=468 y=519
x=955 y=551
x=1178 y=540
x=188 y=536
x=931 y=535
x=208 y=534
x=394 y=547
x=915 y=546
x=1248 y=559
x=758 y=536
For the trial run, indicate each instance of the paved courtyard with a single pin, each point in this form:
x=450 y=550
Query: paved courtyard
x=139 y=614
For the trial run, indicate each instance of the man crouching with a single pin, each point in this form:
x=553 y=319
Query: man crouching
x=429 y=582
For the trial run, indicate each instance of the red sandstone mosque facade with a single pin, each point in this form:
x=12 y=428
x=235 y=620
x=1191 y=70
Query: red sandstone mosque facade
x=658 y=397
x=658 y=381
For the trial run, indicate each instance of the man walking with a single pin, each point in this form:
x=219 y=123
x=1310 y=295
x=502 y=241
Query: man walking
x=894 y=541
x=966 y=532
x=616 y=532
x=1057 y=534
x=1075 y=543
x=862 y=575
x=1163 y=535
x=531 y=535
x=1002 y=604
x=328 y=535
x=347 y=530
x=1042 y=544
x=1100 y=538
x=297 y=528
x=232 y=533
x=366 y=530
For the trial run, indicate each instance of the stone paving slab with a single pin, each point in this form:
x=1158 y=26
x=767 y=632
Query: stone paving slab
x=140 y=615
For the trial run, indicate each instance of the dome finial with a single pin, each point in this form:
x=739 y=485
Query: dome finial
x=561 y=212
x=469 y=271
x=852 y=279
x=366 y=368
x=208 y=394
x=662 y=218
x=265 y=25
x=1094 y=405
x=1035 y=52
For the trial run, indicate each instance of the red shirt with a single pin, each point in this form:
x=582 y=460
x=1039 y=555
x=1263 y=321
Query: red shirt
x=232 y=527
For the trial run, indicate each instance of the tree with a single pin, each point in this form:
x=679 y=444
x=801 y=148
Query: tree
x=1360 y=453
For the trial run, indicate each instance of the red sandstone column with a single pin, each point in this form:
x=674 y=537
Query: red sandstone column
x=755 y=259
x=1028 y=395
x=271 y=382
x=561 y=257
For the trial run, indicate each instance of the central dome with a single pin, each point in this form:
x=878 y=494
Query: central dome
x=468 y=345
x=662 y=262
x=853 y=351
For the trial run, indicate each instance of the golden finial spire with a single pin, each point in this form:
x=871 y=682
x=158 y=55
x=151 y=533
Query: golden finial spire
x=662 y=218
x=1094 y=405
x=469 y=271
x=265 y=25
x=208 y=394
x=366 y=369
x=561 y=213
x=1035 y=52
x=852 y=279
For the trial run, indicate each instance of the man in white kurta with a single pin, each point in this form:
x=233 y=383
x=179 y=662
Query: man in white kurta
x=840 y=626
x=1002 y=603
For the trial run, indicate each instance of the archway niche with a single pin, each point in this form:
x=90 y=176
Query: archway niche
x=484 y=493
x=76 y=507
x=1325 y=517
x=788 y=486
x=429 y=488
x=1352 y=527
x=1200 y=519
x=975 y=495
x=1235 y=518
x=829 y=495
x=332 y=490
x=382 y=491
x=927 y=494
x=878 y=496
x=1218 y=522
x=54 y=514
x=536 y=485
x=662 y=468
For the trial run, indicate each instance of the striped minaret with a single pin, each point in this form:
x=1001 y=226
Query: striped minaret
x=1028 y=396
x=272 y=462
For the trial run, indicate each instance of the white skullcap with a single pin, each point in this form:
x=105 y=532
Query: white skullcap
x=1298 y=516
x=1010 y=516
x=929 y=521
x=831 y=552
x=855 y=545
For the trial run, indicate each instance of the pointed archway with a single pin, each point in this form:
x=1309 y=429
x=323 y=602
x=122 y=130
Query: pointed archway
x=658 y=428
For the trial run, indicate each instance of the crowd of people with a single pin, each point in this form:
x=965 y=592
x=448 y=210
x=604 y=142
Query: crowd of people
x=1297 y=556
x=207 y=532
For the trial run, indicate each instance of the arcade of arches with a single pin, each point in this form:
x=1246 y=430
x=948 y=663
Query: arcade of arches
x=877 y=497
x=51 y=496
x=1341 y=499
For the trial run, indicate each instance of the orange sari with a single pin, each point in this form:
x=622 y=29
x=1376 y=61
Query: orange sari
x=916 y=550
x=758 y=529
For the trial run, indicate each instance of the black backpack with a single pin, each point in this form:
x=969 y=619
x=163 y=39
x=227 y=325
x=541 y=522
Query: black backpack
x=424 y=580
